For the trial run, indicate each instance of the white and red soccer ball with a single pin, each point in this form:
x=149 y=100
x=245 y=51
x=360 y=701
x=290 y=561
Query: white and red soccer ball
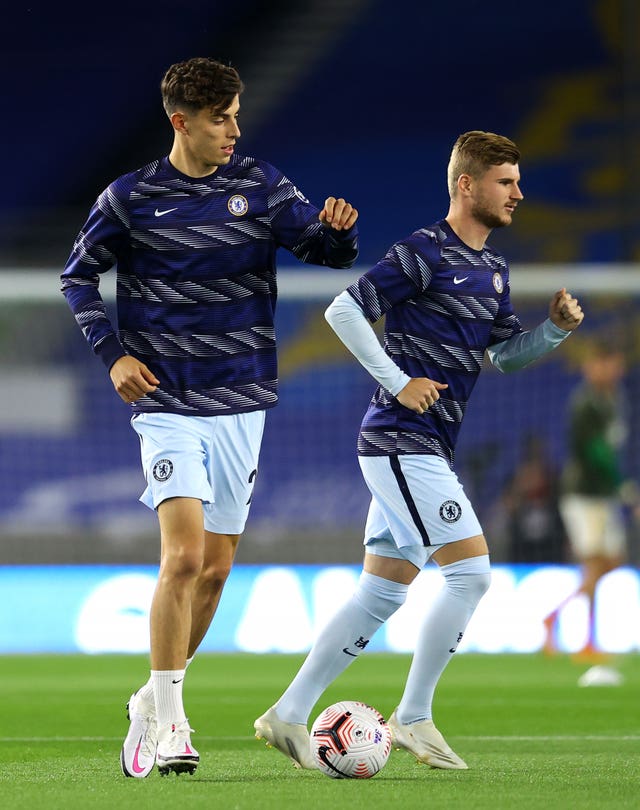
x=350 y=740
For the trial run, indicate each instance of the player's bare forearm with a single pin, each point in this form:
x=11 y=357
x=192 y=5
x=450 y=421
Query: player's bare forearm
x=132 y=379
x=565 y=311
x=420 y=393
x=338 y=214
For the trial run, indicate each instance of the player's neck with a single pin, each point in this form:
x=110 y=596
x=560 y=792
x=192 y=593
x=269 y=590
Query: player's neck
x=468 y=230
x=188 y=164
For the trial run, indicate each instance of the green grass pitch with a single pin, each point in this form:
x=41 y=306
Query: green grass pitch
x=531 y=736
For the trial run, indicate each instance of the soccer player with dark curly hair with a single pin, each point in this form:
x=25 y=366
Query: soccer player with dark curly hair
x=194 y=237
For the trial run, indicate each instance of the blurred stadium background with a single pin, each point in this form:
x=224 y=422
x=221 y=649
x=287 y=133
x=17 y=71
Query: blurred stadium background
x=356 y=98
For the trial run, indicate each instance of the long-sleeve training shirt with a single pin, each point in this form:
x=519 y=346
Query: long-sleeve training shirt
x=445 y=305
x=196 y=279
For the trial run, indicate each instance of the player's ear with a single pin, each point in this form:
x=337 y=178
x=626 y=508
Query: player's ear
x=464 y=184
x=179 y=123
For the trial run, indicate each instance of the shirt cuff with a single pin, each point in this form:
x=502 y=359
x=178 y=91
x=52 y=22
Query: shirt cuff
x=109 y=350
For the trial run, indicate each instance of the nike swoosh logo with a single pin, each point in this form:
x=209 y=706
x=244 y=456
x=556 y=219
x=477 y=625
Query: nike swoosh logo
x=345 y=650
x=456 y=280
x=137 y=768
x=162 y=213
x=178 y=681
x=292 y=749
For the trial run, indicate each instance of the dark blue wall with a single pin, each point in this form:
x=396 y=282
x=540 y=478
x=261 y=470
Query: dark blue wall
x=374 y=121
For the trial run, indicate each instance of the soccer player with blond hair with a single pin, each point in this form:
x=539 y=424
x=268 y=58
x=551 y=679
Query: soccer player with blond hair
x=445 y=296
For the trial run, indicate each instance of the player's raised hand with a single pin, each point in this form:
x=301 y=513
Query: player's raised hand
x=419 y=393
x=338 y=214
x=565 y=311
x=132 y=379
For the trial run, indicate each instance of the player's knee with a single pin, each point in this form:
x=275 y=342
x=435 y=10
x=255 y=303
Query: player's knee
x=468 y=579
x=478 y=585
x=181 y=563
x=380 y=597
x=215 y=575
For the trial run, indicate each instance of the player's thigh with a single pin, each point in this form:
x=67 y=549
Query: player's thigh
x=182 y=536
x=448 y=553
x=219 y=553
x=181 y=520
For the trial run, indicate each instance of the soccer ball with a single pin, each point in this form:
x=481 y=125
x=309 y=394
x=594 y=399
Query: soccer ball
x=350 y=740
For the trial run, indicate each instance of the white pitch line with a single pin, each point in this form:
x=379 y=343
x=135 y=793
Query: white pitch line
x=554 y=738
x=469 y=737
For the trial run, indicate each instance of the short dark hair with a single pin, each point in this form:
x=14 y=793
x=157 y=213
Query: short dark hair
x=200 y=83
x=476 y=151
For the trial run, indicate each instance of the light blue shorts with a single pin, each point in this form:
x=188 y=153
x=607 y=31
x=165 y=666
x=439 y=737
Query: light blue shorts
x=212 y=458
x=417 y=505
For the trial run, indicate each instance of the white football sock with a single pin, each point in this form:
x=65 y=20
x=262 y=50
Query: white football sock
x=146 y=691
x=167 y=691
x=340 y=642
x=465 y=583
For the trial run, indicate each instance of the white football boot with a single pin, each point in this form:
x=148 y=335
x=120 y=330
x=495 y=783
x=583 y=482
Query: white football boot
x=138 y=754
x=291 y=739
x=425 y=742
x=175 y=751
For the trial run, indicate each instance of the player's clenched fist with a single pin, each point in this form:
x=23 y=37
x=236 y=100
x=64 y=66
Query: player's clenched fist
x=338 y=214
x=132 y=379
x=420 y=393
x=565 y=311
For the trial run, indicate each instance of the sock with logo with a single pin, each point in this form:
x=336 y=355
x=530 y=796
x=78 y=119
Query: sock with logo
x=146 y=692
x=340 y=642
x=465 y=583
x=167 y=691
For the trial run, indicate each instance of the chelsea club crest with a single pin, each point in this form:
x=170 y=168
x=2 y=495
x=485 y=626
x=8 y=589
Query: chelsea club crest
x=450 y=511
x=497 y=282
x=162 y=469
x=238 y=205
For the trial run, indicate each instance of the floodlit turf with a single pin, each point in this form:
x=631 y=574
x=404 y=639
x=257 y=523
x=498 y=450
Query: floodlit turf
x=531 y=736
